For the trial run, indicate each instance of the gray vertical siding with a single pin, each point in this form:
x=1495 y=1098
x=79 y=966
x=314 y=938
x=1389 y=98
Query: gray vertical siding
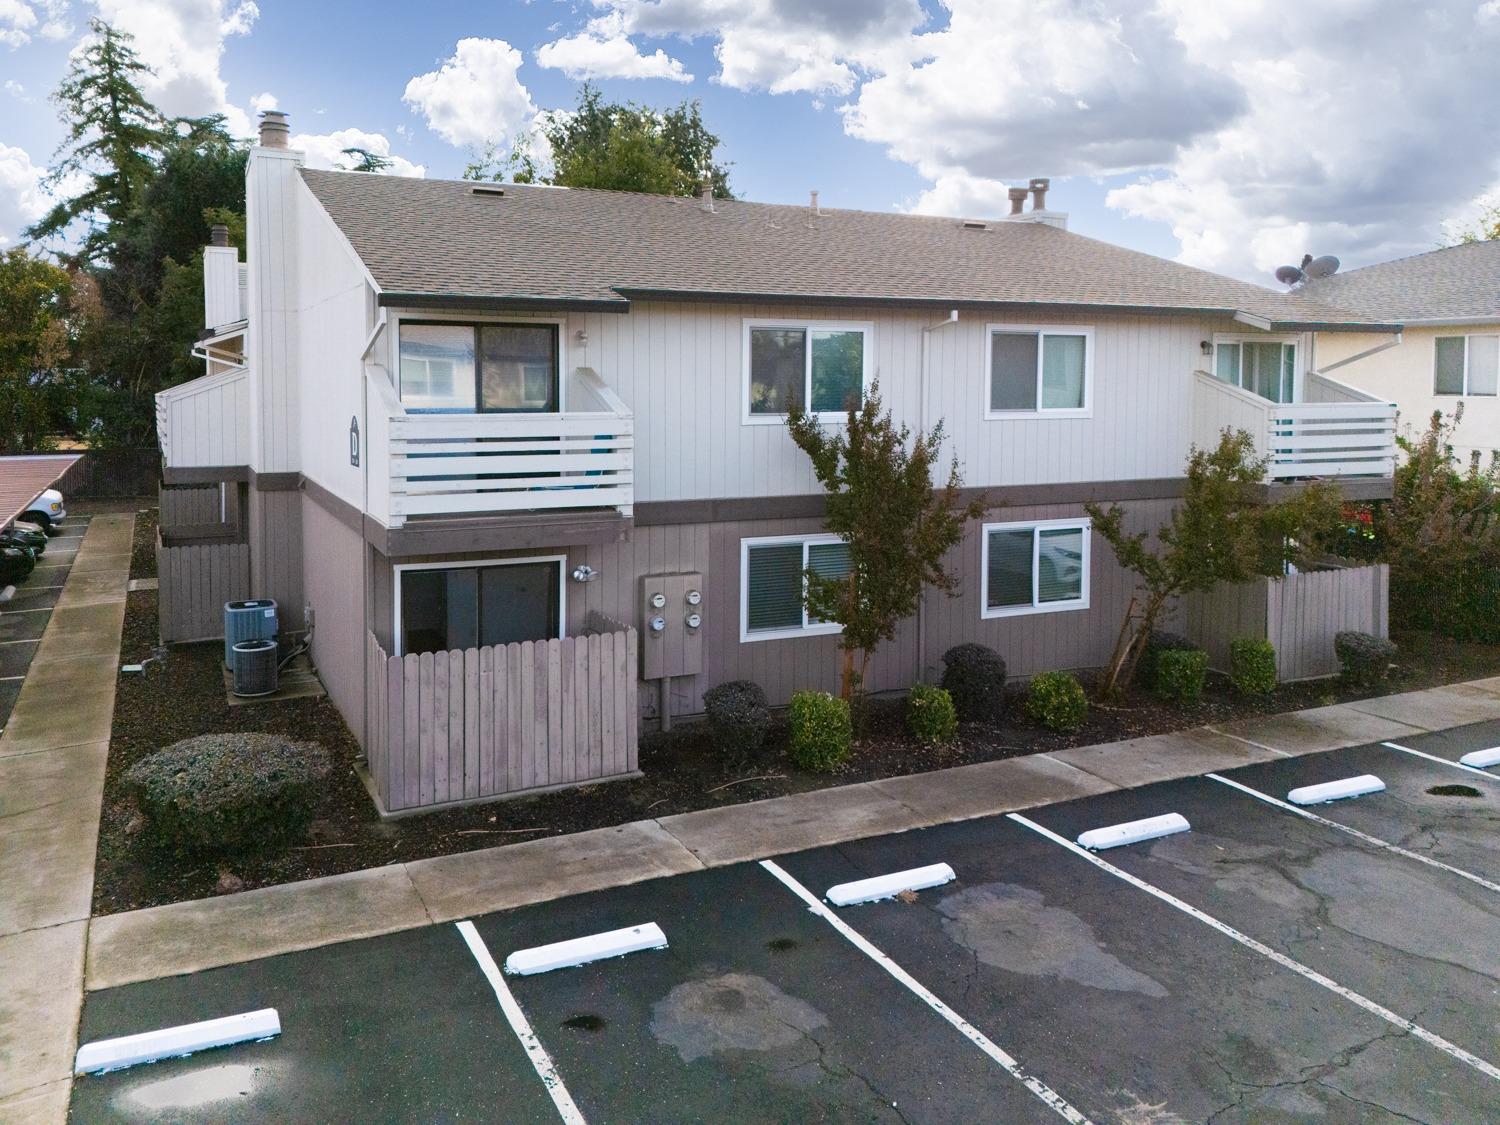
x=195 y=582
x=275 y=533
x=189 y=507
x=332 y=583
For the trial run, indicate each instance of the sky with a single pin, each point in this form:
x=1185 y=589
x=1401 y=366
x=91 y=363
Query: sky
x=1234 y=135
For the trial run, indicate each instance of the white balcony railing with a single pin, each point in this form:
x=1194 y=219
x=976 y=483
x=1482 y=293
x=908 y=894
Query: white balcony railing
x=1339 y=432
x=466 y=464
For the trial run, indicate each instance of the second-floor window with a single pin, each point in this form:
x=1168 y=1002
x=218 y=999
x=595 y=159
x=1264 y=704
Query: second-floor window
x=1466 y=365
x=824 y=366
x=1035 y=369
x=465 y=367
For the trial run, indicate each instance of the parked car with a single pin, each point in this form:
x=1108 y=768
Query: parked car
x=46 y=511
x=14 y=536
x=16 y=563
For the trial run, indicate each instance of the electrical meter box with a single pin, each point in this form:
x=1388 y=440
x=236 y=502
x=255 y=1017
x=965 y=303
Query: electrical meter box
x=672 y=613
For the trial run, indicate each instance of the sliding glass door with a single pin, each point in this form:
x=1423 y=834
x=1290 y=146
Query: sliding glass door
x=1265 y=368
x=502 y=368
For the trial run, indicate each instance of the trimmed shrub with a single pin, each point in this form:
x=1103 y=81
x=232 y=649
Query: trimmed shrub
x=1056 y=700
x=1158 y=642
x=1180 y=673
x=229 y=793
x=930 y=714
x=1365 y=658
x=974 y=677
x=822 y=731
x=738 y=717
x=1252 y=665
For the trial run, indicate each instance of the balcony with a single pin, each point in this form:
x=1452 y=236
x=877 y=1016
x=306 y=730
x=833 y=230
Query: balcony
x=483 y=463
x=1337 y=431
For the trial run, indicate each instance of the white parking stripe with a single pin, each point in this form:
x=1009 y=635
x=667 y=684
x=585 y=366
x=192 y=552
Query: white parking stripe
x=540 y=1059
x=1440 y=761
x=1428 y=1037
x=1048 y=1096
x=1373 y=841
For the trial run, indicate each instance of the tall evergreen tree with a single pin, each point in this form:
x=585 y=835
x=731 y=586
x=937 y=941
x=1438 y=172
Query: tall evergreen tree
x=114 y=135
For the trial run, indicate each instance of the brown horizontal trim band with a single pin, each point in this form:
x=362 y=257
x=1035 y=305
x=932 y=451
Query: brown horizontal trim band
x=275 y=482
x=336 y=506
x=737 y=508
x=205 y=474
x=473 y=302
x=1352 y=488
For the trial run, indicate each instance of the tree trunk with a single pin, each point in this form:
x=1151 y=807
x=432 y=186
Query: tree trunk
x=1123 y=643
x=1143 y=633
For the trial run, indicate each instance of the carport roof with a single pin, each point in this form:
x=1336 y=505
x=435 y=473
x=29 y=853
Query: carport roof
x=22 y=479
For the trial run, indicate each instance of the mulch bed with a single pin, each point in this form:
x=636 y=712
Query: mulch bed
x=185 y=697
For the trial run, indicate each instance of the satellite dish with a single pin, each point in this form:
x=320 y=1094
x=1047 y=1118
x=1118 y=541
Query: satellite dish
x=1326 y=266
x=1289 y=275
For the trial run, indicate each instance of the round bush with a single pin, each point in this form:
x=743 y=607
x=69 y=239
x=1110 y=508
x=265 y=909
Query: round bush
x=930 y=715
x=822 y=731
x=1180 y=673
x=1366 y=658
x=974 y=676
x=1056 y=700
x=1252 y=665
x=738 y=717
x=230 y=793
x=1159 y=641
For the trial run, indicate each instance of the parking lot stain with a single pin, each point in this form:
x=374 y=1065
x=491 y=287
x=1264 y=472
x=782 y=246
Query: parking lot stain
x=1454 y=791
x=1235 y=867
x=584 y=1021
x=781 y=944
x=1011 y=927
x=731 y=1012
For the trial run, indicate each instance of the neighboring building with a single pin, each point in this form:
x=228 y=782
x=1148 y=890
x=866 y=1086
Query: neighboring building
x=468 y=414
x=1449 y=352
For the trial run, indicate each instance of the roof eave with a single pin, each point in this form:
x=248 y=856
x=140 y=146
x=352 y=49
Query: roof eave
x=484 y=302
x=977 y=304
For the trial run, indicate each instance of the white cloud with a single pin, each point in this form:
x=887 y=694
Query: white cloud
x=475 y=96
x=16 y=23
x=15 y=89
x=783 y=46
x=603 y=50
x=1367 y=124
x=183 y=42
x=326 y=150
x=22 y=200
x=262 y=102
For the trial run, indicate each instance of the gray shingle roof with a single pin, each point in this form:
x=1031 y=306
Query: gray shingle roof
x=441 y=239
x=1457 y=283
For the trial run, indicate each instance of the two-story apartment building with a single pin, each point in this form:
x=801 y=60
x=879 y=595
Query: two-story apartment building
x=1449 y=351
x=515 y=456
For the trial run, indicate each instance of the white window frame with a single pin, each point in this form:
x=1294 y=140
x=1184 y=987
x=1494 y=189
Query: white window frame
x=1260 y=338
x=806 y=629
x=434 y=316
x=398 y=638
x=1040 y=331
x=865 y=327
x=1083 y=524
x=1465 y=337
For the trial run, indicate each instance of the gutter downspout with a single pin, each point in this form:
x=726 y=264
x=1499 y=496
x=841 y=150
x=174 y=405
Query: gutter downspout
x=364 y=547
x=1366 y=354
x=927 y=332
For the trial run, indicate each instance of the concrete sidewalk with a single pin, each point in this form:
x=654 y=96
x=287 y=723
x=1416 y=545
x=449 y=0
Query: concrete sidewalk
x=191 y=936
x=52 y=760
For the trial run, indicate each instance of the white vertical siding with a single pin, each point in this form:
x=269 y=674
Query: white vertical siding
x=271 y=232
x=206 y=421
x=222 y=297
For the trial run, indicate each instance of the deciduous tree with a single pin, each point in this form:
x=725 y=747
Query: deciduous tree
x=898 y=524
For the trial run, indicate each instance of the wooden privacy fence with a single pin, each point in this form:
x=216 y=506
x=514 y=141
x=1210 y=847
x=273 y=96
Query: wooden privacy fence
x=484 y=722
x=1298 y=614
x=194 y=583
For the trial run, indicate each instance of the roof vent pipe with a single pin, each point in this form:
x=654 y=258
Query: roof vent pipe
x=1038 y=188
x=273 y=129
x=1018 y=199
x=813 y=204
x=218 y=235
x=706 y=195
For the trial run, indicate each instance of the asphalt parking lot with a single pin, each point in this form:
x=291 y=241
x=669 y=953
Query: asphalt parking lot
x=24 y=617
x=1341 y=963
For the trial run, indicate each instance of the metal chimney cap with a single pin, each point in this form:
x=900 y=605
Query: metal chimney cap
x=274 y=130
x=1018 y=199
x=1038 y=187
x=218 y=235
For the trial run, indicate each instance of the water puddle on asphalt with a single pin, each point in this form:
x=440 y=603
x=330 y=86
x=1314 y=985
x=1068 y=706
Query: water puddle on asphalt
x=1011 y=927
x=731 y=1012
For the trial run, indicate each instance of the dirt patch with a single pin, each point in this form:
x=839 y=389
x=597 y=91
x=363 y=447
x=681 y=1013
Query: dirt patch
x=143 y=547
x=185 y=696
